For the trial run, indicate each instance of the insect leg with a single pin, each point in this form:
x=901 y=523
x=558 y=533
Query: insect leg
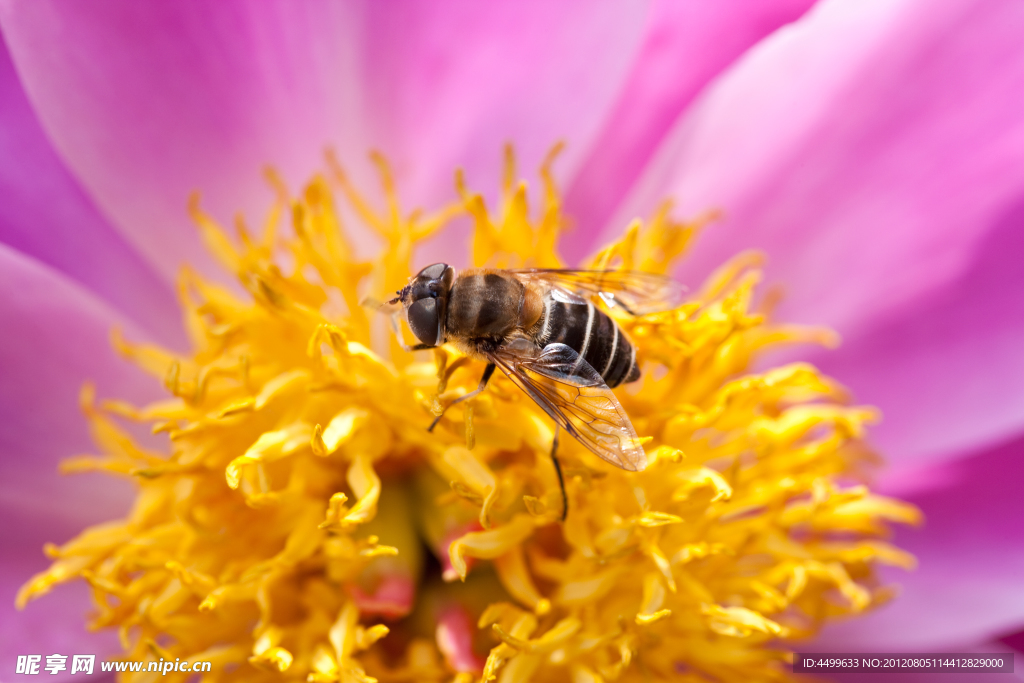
x=561 y=479
x=488 y=371
x=398 y=335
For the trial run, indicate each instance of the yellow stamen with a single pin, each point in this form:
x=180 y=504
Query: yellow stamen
x=298 y=485
x=490 y=544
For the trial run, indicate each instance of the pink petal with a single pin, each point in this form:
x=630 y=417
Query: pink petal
x=149 y=103
x=967 y=587
x=53 y=624
x=873 y=150
x=44 y=214
x=56 y=335
x=685 y=46
x=448 y=88
x=66 y=248
x=948 y=372
x=455 y=629
x=391 y=598
x=174 y=97
x=1013 y=640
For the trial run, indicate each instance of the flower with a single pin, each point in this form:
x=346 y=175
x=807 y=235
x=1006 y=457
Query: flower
x=869 y=149
x=283 y=525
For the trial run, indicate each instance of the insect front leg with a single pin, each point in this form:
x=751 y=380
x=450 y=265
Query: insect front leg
x=488 y=371
x=397 y=329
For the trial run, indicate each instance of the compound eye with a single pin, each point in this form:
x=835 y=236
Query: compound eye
x=423 y=320
x=433 y=272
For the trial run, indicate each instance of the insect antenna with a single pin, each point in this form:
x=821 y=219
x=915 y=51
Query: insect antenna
x=388 y=306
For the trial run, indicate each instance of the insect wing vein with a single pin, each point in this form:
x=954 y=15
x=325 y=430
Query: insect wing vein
x=579 y=401
x=637 y=292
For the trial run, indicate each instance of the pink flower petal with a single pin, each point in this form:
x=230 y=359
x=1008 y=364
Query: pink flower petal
x=174 y=97
x=948 y=373
x=685 y=46
x=873 y=150
x=1013 y=640
x=45 y=214
x=56 y=335
x=455 y=629
x=448 y=88
x=391 y=598
x=50 y=625
x=967 y=587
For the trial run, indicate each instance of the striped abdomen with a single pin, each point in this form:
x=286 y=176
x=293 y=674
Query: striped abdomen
x=593 y=335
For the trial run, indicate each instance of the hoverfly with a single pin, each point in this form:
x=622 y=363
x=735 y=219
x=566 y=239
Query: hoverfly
x=543 y=330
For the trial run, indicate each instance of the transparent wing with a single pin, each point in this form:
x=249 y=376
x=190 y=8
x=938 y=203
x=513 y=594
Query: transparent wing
x=576 y=397
x=636 y=292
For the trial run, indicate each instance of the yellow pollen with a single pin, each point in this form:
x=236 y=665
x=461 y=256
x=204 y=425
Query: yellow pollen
x=282 y=530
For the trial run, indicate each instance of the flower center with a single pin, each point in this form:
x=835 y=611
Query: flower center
x=303 y=524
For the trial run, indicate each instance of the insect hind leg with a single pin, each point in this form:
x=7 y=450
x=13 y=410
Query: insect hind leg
x=488 y=371
x=558 y=470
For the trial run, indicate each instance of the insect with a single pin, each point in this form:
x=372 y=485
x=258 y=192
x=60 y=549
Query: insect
x=542 y=329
